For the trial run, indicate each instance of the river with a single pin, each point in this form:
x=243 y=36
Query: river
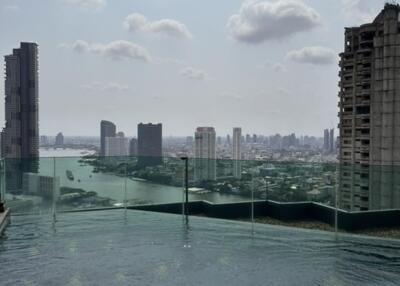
x=112 y=186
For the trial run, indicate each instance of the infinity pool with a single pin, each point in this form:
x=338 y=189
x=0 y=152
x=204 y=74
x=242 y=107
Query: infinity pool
x=143 y=248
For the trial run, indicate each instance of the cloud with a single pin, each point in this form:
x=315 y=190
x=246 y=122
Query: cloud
x=168 y=27
x=11 y=8
x=87 y=3
x=260 y=21
x=193 y=73
x=358 y=11
x=116 y=50
x=313 y=55
x=278 y=67
x=106 y=87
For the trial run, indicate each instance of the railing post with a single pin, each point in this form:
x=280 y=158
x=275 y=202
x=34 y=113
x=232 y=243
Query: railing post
x=2 y=185
x=186 y=205
x=252 y=205
x=54 y=204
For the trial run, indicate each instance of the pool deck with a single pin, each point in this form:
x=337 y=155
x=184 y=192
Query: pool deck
x=4 y=220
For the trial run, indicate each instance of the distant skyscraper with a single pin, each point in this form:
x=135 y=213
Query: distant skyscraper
x=228 y=139
x=326 y=140
x=21 y=132
x=133 y=147
x=332 y=146
x=205 y=154
x=116 y=146
x=248 y=138
x=254 y=138
x=150 y=144
x=107 y=129
x=237 y=153
x=369 y=145
x=59 y=139
x=44 y=140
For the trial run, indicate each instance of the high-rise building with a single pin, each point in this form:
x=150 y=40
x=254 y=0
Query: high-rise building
x=228 y=139
x=47 y=187
x=237 y=152
x=21 y=132
x=369 y=145
x=116 y=146
x=150 y=144
x=332 y=146
x=44 y=140
x=59 y=140
x=326 y=140
x=133 y=147
x=205 y=154
x=107 y=129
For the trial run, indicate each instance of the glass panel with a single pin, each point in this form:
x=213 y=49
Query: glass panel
x=2 y=181
x=90 y=182
x=368 y=198
x=154 y=180
x=29 y=185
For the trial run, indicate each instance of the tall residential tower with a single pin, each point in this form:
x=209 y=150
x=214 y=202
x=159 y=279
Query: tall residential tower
x=205 y=154
x=149 y=145
x=20 y=138
x=369 y=146
x=107 y=129
x=237 y=152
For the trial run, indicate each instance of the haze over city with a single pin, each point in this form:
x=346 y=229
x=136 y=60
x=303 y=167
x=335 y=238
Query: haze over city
x=185 y=64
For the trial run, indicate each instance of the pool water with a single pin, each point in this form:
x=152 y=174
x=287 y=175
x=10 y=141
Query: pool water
x=142 y=248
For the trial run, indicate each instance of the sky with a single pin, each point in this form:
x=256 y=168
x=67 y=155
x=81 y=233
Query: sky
x=268 y=66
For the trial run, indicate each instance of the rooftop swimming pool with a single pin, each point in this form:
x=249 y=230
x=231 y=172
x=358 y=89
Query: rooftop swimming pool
x=115 y=247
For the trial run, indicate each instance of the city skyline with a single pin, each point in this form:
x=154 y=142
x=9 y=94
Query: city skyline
x=189 y=72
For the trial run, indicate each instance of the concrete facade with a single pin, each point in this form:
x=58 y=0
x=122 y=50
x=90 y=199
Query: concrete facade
x=369 y=146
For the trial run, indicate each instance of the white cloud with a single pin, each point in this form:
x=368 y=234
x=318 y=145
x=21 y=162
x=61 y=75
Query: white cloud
x=169 y=27
x=80 y=46
x=116 y=50
x=313 y=55
x=105 y=87
x=87 y=3
x=192 y=73
x=357 y=11
x=259 y=21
